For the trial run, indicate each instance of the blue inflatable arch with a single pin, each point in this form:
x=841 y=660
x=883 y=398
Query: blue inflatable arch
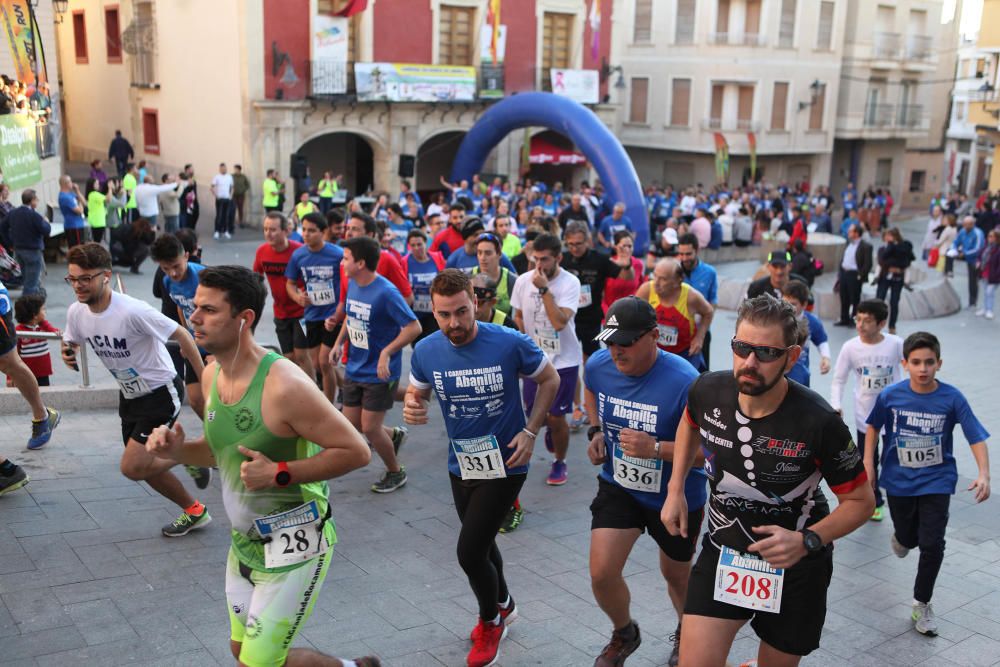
x=573 y=120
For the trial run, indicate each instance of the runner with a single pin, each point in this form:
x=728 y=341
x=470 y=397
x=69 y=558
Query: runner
x=473 y=368
x=379 y=325
x=683 y=315
x=421 y=266
x=12 y=476
x=489 y=256
x=875 y=360
x=128 y=335
x=796 y=293
x=778 y=271
x=767 y=554
x=635 y=396
x=545 y=300
x=316 y=266
x=274 y=456
x=465 y=257
x=918 y=464
x=485 y=291
x=271 y=260
x=702 y=277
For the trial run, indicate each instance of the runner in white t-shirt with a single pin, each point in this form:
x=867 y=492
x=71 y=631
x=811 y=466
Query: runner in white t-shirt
x=545 y=300
x=128 y=336
x=875 y=361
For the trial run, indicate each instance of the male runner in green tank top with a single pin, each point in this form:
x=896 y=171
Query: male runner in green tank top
x=274 y=457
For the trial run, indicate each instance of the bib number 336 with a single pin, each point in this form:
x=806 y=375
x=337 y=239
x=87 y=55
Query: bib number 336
x=748 y=581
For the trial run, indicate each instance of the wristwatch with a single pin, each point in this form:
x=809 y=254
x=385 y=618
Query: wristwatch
x=813 y=542
x=592 y=431
x=282 y=477
x=542 y=291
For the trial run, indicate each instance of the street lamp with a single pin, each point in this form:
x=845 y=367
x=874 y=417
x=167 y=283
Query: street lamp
x=607 y=70
x=61 y=7
x=815 y=87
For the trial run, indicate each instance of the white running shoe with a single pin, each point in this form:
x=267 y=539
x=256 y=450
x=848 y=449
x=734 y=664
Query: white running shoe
x=215 y=236
x=923 y=619
x=980 y=312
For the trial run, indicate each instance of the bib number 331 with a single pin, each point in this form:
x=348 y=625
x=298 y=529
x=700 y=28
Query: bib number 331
x=479 y=458
x=295 y=535
x=748 y=581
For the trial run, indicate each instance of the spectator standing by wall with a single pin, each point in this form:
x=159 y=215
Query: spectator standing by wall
x=222 y=189
x=71 y=206
x=121 y=152
x=26 y=230
x=241 y=188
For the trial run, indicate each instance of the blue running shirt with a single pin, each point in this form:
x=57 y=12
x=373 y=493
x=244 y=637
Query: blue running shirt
x=320 y=273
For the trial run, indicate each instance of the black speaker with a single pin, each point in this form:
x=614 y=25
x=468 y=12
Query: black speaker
x=407 y=165
x=298 y=166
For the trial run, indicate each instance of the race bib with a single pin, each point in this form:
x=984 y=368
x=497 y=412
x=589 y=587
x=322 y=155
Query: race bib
x=357 y=333
x=321 y=292
x=875 y=378
x=548 y=341
x=919 y=451
x=479 y=458
x=130 y=382
x=747 y=581
x=667 y=335
x=295 y=535
x=586 y=298
x=635 y=473
x=421 y=303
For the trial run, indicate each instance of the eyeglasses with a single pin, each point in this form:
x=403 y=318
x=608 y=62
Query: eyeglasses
x=484 y=293
x=764 y=353
x=83 y=280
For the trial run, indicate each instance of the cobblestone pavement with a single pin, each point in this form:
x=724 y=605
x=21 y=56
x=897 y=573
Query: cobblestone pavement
x=86 y=578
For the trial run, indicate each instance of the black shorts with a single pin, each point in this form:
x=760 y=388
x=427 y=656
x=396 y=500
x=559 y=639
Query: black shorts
x=614 y=507
x=316 y=334
x=797 y=628
x=370 y=396
x=141 y=415
x=291 y=336
x=190 y=377
x=8 y=335
x=585 y=333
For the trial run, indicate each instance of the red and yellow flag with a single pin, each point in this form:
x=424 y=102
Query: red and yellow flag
x=19 y=24
x=752 y=141
x=721 y=158
x=493 y=19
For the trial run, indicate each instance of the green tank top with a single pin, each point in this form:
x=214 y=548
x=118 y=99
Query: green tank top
x=503 y=294
x=240 y=423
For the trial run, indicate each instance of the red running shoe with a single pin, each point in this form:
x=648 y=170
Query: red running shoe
x=486 y=647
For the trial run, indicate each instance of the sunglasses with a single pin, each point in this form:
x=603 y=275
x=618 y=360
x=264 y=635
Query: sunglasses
x=634 y=340
x=764 y=353
x=488 y=237
x=484 y=293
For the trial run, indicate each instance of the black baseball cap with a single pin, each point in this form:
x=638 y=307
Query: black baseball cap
x=779 y=258
x=627 y=319
x=472 y=227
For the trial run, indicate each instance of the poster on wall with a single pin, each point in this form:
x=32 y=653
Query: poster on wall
x=18 y=151
x=580 y=85
x=329 y=54
x=22 y=36
x=404 y=82
x=492 y=73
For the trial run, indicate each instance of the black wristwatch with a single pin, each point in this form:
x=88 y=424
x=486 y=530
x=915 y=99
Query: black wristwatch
x=592 y=431
x=813 y=542
x=282 y=478
x=542 y=291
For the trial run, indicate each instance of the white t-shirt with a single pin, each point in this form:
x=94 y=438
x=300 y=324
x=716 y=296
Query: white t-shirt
x=146 y=198
x=874 y=367
x=561 y=347
x=129 y=339
x=223 y=184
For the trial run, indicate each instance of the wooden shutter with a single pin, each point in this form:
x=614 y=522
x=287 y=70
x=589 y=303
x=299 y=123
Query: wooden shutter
x=779 y=105
x=680 y=103
x=722 y=17
x=113 y=34
x=685 y=22
x=753 y=20
x=642 y=30
x=639 y=101
x=557 y=32
x=744 y=111
x=786 y=31
x=718 y=91
x=824 y=40
x=456 y=35
x=80 y=36
x=816 y=110
x=151 y=131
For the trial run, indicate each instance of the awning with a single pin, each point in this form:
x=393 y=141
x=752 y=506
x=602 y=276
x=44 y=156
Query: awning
x=543 y=152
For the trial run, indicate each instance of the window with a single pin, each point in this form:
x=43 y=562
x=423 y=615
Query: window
x=715 y=111
x=639 y=101
x=557 y=31
x=456 y=35
x=151 y=131
x=980 y=62
x=722 y=20
x=685 y=21
x=142 y=33
x=753 y=22
x=824 y=40
x=642 y=31
x=80 y=36
x=917 y=179
x=960 y=111
x=786 y=29
x=816 y=110
x=779 y=105
x=353 y=25
x=883 y=172
x=680 y=103
x=744 y=108
x=113 y=34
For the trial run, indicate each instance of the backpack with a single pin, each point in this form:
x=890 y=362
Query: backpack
x=10 y=270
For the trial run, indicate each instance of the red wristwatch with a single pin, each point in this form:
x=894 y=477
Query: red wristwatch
x=282 y=477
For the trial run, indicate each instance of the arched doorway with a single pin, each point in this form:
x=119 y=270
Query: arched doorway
x=434 y=158
x=343 y=153
x=552 y=160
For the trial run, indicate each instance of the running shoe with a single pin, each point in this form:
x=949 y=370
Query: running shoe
x=578 y=419
x=548 y=442
x=215 y=236
x=390 y=481
x=507 y=616
x=201 y=476
x=368 y=661
x=399 y=435
x=515 y=515
x=558 y=474
x=14 y=481
x=878 y=514
x=228 y=235
x=923 y=619
x=185 y=523
x=623 y=644
x=749 y=663
x=898 y=548
x=486 y=645
x=41 y=429
x=980 y=312
x=989 y=316
x=675 y=653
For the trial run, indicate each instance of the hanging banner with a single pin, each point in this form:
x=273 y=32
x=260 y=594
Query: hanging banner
x=19 y=24
x=721 y=158
x=752 y=141
x=492 y=72
x=329 y=54
x=595 y=29
x=580 y=85
x=402 y=82
x=18 y=151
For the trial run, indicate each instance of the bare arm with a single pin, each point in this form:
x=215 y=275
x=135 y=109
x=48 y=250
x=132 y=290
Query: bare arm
x=559 y=317
x=548 y=385
x=675 y=510
x=188 y=349
x=297 y=295
x=700 y=306
x=981 y=485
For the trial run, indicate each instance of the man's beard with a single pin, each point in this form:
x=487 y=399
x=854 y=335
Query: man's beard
x=758 y=389
x=458 y=335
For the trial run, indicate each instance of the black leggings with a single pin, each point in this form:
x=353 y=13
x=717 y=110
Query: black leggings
x=920 y=521
x=482 y=505
x=893 y=287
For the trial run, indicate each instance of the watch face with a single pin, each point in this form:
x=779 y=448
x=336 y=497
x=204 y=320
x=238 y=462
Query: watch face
x=283 y=477
x=813 y=542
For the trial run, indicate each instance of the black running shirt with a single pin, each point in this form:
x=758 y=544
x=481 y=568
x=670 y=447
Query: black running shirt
x=765 y=471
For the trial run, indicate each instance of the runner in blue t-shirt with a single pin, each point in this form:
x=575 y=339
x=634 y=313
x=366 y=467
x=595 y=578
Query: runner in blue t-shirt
x=473 y=368
x=421 y=266
x=378 y=324
x=918 y=463
x=796 y=293
x=636 y=396
x=71 y=205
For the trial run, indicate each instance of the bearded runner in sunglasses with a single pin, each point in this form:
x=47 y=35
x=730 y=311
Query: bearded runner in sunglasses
x=767 y=556
x=635 y=396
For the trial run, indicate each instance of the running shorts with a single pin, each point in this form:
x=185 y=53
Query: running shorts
x=141 y=415
x=291 y=334
x=369 y=396
x=316 y=334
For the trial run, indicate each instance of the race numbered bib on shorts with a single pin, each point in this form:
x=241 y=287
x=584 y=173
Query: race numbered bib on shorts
x=919 y=451
x=586 y=298
x=875 y=378
x=295 y=535
x=479 y=458
x=357 y=333
x=321 y=292
x=548 y=341
x=421 y=303
x=130 y=382
x=747 y=581
x=635 y=473
x=667 y=336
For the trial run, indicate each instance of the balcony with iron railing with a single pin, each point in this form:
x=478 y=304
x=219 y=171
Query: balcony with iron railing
x=906 y=117
x=919 y=47
x=329 y=77
x=751 y=39
x=730 y=125
x=886 y=46
x=910 y=116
